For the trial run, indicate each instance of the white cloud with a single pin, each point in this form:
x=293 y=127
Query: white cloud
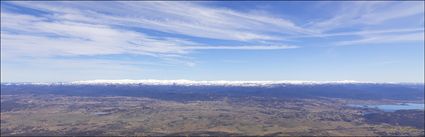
x=29 y=35
x=171 y=30
x=362 y=33
x=368 y=13
x=241 y=47
x=87 y=28
x=89 y=23
x=174 y=17
x=373 y=39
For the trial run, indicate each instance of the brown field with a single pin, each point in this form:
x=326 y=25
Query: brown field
x=118 y=115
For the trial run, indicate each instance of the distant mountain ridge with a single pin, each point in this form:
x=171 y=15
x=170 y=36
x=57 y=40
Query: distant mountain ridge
x=206 y=90
x=183 y=82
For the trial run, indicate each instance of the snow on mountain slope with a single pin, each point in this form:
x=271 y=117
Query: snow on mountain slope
x=210 y=83
x=183 y=82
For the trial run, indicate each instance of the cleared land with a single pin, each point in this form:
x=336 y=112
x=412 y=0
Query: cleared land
x=50 y=114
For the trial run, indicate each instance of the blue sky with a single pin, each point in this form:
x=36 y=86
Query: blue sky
x=379 y=41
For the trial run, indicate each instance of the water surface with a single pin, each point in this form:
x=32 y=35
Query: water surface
x=393 y=107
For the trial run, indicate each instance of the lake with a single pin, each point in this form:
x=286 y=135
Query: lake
x=393 y=107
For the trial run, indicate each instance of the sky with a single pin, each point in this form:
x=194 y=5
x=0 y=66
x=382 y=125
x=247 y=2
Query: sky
x=380 y=41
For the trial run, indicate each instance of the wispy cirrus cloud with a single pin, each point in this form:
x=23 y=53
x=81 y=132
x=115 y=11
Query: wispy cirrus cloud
x=377 y=39
x=174 y=17
x=87 y=28
x=367 y=13
x=29 y=35
x=376 y=23
x=361 y=33
x=186 y=33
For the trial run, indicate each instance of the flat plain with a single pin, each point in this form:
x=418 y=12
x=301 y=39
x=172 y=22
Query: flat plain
x=29 y=114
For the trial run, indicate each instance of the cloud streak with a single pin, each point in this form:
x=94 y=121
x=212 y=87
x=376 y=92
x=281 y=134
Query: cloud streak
x=174 y=17
x=169 y=30
x=39 y=36
x=374 y=39
x=367 y=13
x=190 y=38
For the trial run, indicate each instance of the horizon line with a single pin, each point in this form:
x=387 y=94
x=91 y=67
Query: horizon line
x=180 y=81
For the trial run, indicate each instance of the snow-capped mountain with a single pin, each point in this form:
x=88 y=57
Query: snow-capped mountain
x=210 y=83
x=183 y=82
x=198 y=83
x=184 y=89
